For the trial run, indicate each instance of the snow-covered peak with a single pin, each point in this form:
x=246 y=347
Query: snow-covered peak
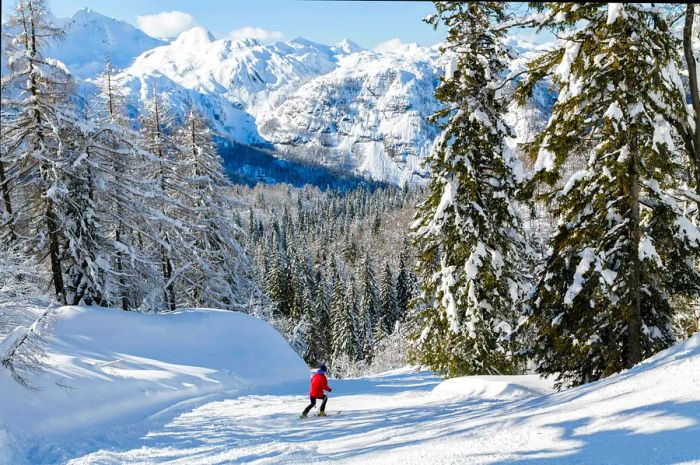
x=374 y=105
x=346 y=46
x=194 y=38
x=302 y=42
x=247 y=42
x=365 y=110
x=91 y=37
x=87 y=14
x=247 y=73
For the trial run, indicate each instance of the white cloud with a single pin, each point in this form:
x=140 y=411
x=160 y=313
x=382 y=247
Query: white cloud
x=166 y=24
x=261 y=34
x=395 y=45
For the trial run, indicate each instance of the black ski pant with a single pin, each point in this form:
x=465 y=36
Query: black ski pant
x=313 y=403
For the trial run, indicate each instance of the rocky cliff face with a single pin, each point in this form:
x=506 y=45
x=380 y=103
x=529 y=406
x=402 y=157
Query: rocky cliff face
x=368 y=115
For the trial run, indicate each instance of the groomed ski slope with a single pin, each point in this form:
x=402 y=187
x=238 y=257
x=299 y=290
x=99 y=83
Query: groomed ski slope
x=647 y=415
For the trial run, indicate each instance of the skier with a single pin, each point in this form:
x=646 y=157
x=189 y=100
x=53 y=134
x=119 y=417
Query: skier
x=319 y=383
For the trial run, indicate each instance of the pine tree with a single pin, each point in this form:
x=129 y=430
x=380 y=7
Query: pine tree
x=35 y=109
x=275 y=284
x=468 y=231
x=623 y=249
x=167 y=183
x=107 y=205
x=86 y=248
x=322 y=311
x=368 y=306
x=388 y=314
x=403 y=287
x=343 y=319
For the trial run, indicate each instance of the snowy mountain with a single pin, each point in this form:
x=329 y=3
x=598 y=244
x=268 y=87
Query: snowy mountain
x=368 y=115
x=362 y=110
x=90 y=37
x=341 y=106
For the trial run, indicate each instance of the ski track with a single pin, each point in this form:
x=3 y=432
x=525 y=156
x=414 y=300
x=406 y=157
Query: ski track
x=395 y=419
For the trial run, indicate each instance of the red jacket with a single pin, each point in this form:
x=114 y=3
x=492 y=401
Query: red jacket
x=319 y=383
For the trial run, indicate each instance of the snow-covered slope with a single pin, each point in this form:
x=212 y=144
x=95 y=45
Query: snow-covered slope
x=649 y=415
x=108 y=365
x=252 y=76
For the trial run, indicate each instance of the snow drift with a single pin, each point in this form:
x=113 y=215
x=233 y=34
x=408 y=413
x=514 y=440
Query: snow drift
x=107 y=364
x=493 y=387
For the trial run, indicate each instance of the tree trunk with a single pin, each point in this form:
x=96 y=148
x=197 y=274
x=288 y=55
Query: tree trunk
x=694 y=92
x=169 y=293
x=120 y=270
x=56 y=272
x=51 y=222
x=634 y=331
x=7 y=202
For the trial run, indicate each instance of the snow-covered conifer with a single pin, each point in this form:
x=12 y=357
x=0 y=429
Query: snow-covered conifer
x=623 y=249
x=36 y=106
x=217 y=274
x=468 y=231
x=388 y=313
x=368 y=310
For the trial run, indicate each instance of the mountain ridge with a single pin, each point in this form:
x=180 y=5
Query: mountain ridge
x=342 y=106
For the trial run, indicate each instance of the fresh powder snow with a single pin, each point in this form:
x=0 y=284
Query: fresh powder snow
x=221 y=387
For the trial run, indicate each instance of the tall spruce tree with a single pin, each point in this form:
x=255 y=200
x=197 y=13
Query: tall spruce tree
x=218 y=274
x=343 y=319
x=86 y=247
x=467 y=231
x=403 y=286
x=388 y=310
x=368 y=309
x=623 y=249
x=157 y=130
x=36 y=112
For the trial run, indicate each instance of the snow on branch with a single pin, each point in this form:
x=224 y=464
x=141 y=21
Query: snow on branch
x=22 y=351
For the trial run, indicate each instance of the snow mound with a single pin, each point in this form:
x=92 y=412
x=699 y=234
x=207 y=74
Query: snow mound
x=107 y=364
x=493 y=387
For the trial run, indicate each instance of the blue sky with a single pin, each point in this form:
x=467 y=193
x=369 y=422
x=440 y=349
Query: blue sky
x=368 y=22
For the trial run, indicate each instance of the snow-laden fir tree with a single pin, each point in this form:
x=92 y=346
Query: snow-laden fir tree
x=388 y=308
x=317 y=315
x=157 y=128
x=35 y=109
x=623 y=249
x=404 y=288
x=86 y=249
x=467 y=231
x=217 y=272
x=368 y=310
x=276 y=279
x=344 y=309
x=322 y=313
x=105 y=208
